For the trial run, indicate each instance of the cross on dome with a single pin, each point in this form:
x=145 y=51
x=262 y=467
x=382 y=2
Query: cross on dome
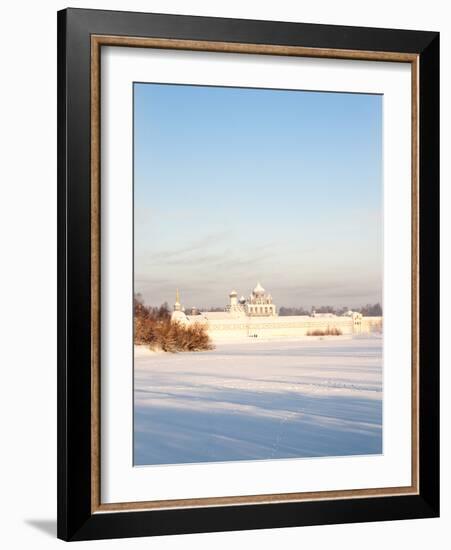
x=259 y=290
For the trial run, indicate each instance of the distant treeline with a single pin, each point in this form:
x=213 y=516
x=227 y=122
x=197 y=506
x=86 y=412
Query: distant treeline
x=163 y=311
x=370 y=310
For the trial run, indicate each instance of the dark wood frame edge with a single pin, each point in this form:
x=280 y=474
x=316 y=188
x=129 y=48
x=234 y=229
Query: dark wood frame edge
x=97 y=41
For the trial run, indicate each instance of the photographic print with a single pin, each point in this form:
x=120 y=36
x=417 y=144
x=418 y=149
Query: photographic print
x=258 y=268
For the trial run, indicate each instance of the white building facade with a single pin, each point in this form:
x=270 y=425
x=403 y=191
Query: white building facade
x=259 y=303
x=256 y=317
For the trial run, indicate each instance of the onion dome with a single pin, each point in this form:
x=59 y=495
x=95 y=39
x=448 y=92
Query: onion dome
x=242 y=300
x=233 y=293
x=258 y=290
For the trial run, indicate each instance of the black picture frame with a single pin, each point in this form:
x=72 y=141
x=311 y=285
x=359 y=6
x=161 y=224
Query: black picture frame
x=76 y=520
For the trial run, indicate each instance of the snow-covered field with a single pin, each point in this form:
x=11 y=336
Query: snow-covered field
x=259 y=400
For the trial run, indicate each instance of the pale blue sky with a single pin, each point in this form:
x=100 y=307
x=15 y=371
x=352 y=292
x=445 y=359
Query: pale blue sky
x=235 y=185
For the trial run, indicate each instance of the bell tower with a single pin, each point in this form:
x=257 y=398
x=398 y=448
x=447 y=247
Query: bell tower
x=177 y=306
x=233 y=299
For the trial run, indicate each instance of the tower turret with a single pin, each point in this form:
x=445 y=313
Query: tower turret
x=179 y=312
x=177 y=306
x=233 y=298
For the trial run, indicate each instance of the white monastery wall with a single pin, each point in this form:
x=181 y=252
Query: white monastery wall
x=256 y=317
x=286 y=327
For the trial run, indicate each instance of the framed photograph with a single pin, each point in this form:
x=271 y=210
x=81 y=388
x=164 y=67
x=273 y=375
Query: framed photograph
x=248 y=274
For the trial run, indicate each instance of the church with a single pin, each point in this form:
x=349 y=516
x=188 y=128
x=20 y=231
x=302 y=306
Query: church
x=259 y=304
x=256 y=317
